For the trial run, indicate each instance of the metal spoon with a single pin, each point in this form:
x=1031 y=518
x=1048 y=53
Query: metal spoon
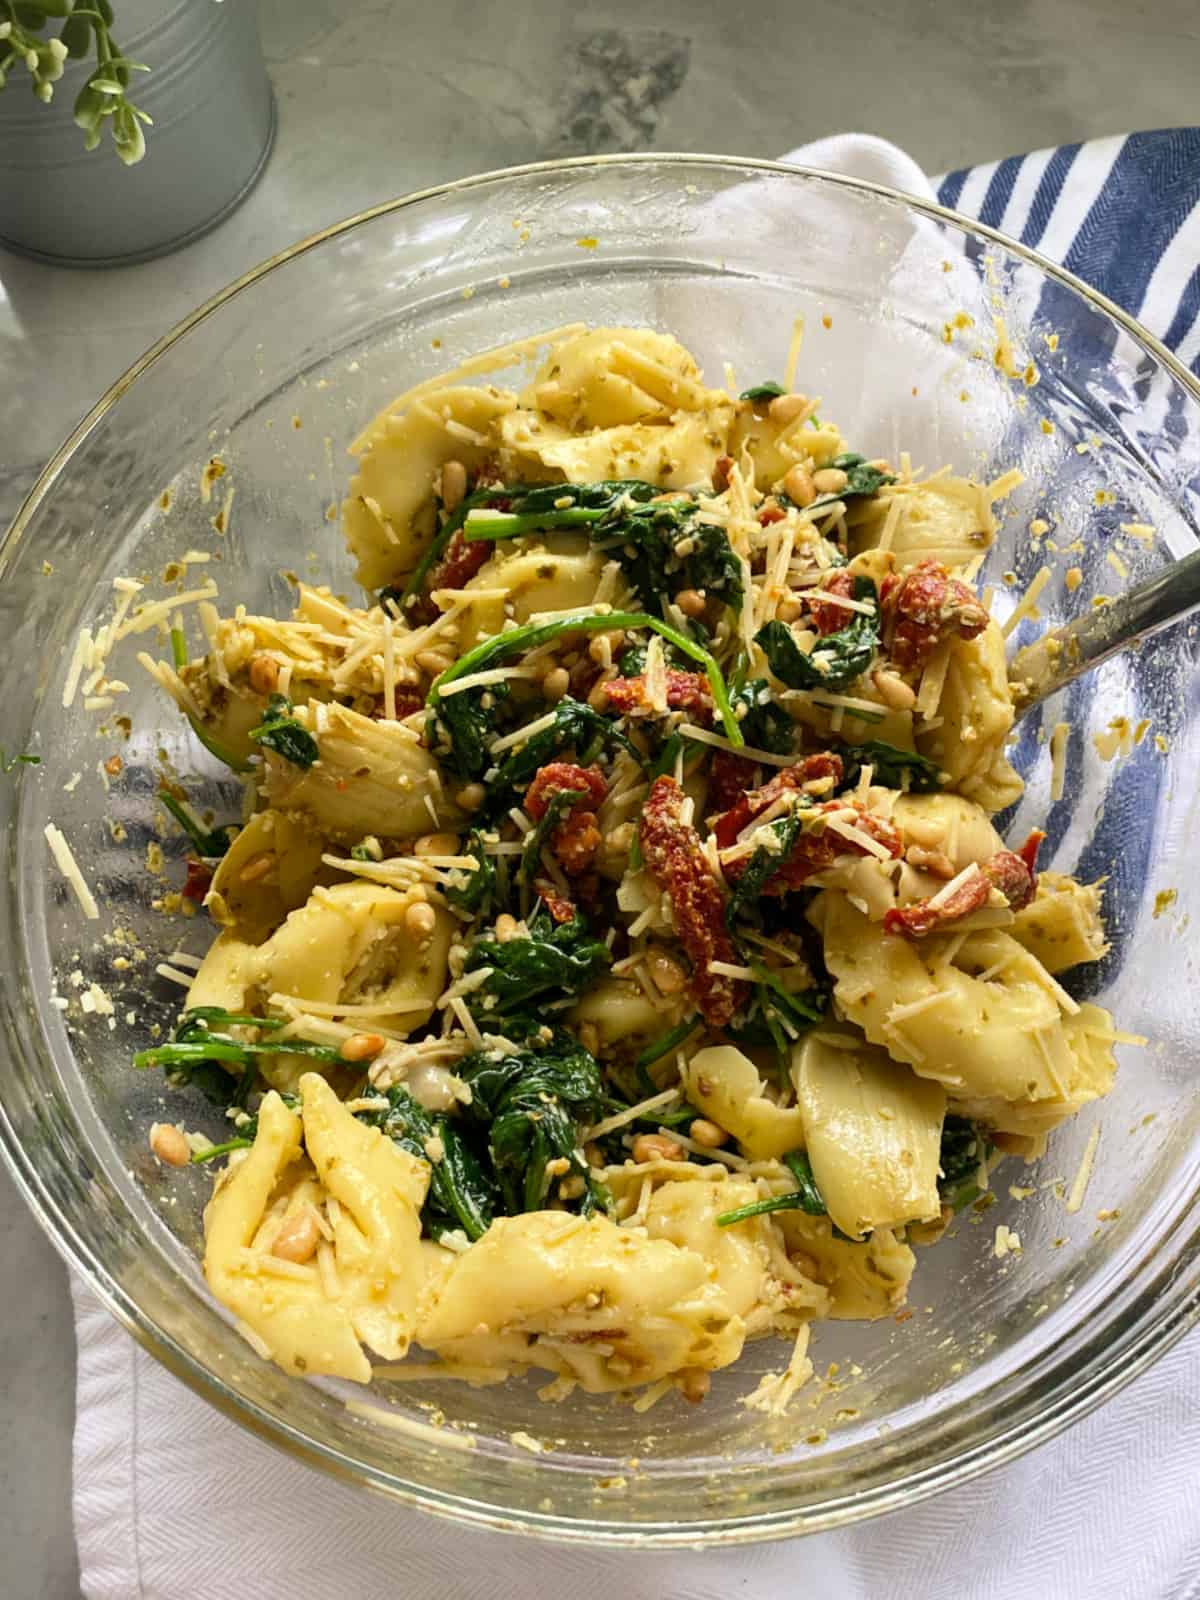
x=1058 y=658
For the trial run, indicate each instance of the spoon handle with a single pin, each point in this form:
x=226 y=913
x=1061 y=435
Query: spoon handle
x=1058 y=658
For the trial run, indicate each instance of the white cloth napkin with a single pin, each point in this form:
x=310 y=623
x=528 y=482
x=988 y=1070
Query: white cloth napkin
x=173 y=1500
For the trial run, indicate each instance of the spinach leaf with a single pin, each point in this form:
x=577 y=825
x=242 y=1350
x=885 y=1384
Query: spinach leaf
x=576 y=727
x=533 y=1105
x=555 y=960
x=502 y=646
x=199 y=1047
x=765 y=724
x=559 y=804
x=212 y=844
x=804 y=1197
x=965 y=1147
x=770 y=390
x=459 y=729
x=863 y=480
x=473 y=890
x=893 y=768
x=544 y=507
x=279 y=731
x=664 y=547
x=767 y=860
x=10 y=763
x=247 y=1127
x=462 y=1193
x=836 y=659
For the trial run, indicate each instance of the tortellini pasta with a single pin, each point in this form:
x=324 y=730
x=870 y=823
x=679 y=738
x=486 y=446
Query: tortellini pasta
x=257 y=905
x=976 y=714
x=372 y=777
x=391 y=490
x=873 y=1132
x=529 y=581
x=313 y=1322
x=1061 y=926
x=725 y=1084
x=602 y=1305
x=976 y=1013
x=948 y=519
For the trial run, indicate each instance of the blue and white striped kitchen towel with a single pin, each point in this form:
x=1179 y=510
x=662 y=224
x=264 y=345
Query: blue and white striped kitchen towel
x=171 y=1497
x=1121 y=213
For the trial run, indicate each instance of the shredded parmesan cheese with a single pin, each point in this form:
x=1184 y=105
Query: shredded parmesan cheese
x=66 y=863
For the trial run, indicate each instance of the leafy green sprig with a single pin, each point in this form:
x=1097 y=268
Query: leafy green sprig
x=86 y=29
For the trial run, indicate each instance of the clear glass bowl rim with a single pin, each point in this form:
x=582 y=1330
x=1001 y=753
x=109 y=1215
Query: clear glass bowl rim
x=1161 y=1314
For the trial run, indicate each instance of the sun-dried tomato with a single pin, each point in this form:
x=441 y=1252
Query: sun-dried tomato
x=556 y=904
x=828 y=617
x=721 y=470
x=1011 y=872
x=577 y=837
x=199 y=880
x=811 y=769
x=461 y=560
x=672 y=854
x=686 y=691
x=729 y=777
x=408 y=700
x=923 y=607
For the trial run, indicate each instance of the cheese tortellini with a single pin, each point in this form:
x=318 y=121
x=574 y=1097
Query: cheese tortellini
x=976 y=1013
x=315 y=1321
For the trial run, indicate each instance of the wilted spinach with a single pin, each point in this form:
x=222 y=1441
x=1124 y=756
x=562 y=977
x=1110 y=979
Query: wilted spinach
x=893 y=768
x=554 y=961
x=533 y=1104
x=279 y=731
x=211 y=843
x=863 y=479
x=576 y=727
x=965 y=1148
x=459 y=728
x=462 y=1193
x=764 y=723
x=804 y=1197
x=836 y=658
x=473 y=889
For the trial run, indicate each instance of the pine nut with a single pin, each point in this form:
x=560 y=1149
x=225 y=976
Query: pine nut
x=932 y=861
x=830 y=480
x=603 y=646
x=894 y=692
x=786 y=408
x=264 y=674
x=436 y=844
x=420 y=920
x=589 y=1037
x=558 y=1168
x=555 y=684
x=571 y=1188
x=471 y=797
x=297 y=1239
x=362 y=1046
x=799 y=487
x=454 y=485
x=257 y=867
x=691 y=602
x=669 y=977
x=169 y=1145
x=789 y=610
x=506 y=927
x=434 y=662
x=598 y=698
x=708 y=1134
x=656 y=1147
x=694 y=1384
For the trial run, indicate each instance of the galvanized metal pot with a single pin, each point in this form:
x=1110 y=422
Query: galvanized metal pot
x=214 y=122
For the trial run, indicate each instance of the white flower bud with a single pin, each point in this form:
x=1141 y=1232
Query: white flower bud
x=58 y=50
x=44 y=92
x=5 y=29
x=31 y=60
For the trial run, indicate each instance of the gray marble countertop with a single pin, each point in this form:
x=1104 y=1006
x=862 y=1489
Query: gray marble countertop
x=376 y=99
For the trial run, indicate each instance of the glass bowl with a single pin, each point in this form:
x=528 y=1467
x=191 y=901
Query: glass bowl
x=922 y=332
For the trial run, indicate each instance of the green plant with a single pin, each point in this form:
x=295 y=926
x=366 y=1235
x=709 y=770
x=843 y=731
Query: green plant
x=27 y=39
